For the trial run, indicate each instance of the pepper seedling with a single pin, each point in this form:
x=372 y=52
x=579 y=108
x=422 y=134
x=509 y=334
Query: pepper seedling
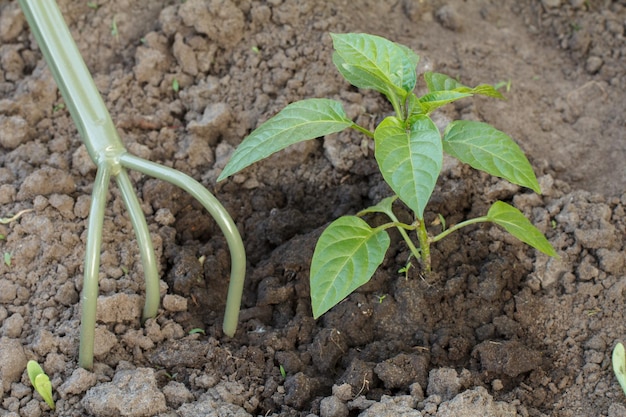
x=111 y=157
x=409 y=152
x=40 y=381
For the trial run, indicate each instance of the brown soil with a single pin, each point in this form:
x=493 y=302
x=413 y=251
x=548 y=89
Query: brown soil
x=500 y=330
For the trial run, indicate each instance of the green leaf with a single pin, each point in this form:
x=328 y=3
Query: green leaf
x=299 y=121
x=369 y=61
x=409 y=159
x=488 y=149
x=619 y=365
x=346 y=256
x=40 y=381
x=44 y=388
x=514 y=222
x=485 y=90
x=33 y=369
x=436 y=99
x=442 y=82
x=383 y=206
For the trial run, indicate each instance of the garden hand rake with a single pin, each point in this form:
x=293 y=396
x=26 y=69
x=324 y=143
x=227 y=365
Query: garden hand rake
x=107 y=151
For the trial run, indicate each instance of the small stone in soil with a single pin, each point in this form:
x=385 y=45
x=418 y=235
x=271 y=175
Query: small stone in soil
x=12 y=361
x=174 y=303
x=132 y=393
x=476 y=402
x=80 y=381
x=443 y=382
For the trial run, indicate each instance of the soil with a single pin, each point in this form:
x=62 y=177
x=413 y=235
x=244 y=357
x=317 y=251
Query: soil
x=499 y=330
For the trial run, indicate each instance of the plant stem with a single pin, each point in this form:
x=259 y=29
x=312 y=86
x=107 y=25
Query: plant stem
x=422 y=236
x=457 y=227
x=401 y=228
x=362 y=130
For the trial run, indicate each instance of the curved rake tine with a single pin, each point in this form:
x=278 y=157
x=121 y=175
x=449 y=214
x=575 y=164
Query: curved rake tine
x=221 y=217
x=107 y=151
x=92 y=266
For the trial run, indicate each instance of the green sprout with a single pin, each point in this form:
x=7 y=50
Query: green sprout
x=7 y=259
x=175 y=85
x=442 y=222
x=283 y=373
x=114 y=31
x=105 y=148
x=505 y=84
x=405 y=269
x=93 y=5
x=197 y=330
x=57 y=107
x=409 y=151
x=40 y=381
x=619 y=365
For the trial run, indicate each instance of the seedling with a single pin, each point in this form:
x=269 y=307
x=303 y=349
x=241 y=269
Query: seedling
x=283 y=373
x=114 y=31
x=40 y=381
x=409 y=152
x=7 y=259
x=619 y=365
x=58 y=107
x=197 y=330
x=112 y=159
x=175 y=85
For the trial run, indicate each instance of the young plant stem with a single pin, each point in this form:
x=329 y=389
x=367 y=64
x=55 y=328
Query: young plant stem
x=363 y=130
x=107 y=151
x=457 y=227
x=402 y=228
x=422 y=236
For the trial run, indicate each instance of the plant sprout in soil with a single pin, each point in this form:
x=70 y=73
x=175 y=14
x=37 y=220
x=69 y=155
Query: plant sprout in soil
x=409 y=152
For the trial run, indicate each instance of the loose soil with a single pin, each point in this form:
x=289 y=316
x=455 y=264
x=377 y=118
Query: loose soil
x=499 y=330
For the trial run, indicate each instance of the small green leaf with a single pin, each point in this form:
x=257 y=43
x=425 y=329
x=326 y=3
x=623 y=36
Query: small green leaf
x=488 y=149
x=514 y=222
x=114 y=31
x=369 y=61
x=40 y=381
x=409 y=159
x=436 y=99
x=442 y=82
x=346 y=256
x=175 y=85
x=7 y=259
x=383 y=206
x=485 y=90
x=619 y=365
x=299 y=121
x=283 y=373
x=197 y=330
